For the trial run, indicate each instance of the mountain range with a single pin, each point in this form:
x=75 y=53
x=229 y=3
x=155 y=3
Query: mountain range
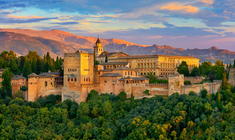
x=58 y=42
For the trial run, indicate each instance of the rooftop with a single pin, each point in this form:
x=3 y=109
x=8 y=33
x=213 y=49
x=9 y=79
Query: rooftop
x=33 y=75
x=111 y=75
x=133 y=78
x=49 y=74
x=105 y=53
x=152 y=56
x=17 y=77
x=115 y=63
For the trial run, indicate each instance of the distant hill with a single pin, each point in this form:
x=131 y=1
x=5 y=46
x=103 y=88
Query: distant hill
x=58 y=42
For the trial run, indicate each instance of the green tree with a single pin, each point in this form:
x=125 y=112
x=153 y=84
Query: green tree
x=26 y=69
x=122 y=95
x=203 y=93
x=195 y=72
x=147 y=92
x=234 y=63
x=183 y=69
x=205 y=68
x=6 y=84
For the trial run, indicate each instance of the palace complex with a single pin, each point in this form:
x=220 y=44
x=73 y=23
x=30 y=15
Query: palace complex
x=112 y=73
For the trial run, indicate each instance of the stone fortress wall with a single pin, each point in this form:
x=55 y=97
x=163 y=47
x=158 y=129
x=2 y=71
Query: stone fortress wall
x=232 y=76
x=112 y=73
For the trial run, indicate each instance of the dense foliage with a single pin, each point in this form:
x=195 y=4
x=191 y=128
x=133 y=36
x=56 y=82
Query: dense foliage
x=6 y=88
x=31 y=63
x=155 y=80
x=107 y=117
x=208 y=70
x=183 y=69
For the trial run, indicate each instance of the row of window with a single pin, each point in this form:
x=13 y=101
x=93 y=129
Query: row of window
x=129 y=73
x=72 y=70
x=146 y=65
x=72 y=79
x=86 y=79
x=113 y=66
x=75 y=79
x=146 y=73
x=46 y=84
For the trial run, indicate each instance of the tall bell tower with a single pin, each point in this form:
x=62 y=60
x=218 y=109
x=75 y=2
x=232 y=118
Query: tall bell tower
x=98 y=48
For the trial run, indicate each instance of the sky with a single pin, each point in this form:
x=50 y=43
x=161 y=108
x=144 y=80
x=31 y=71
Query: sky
x=179 y=23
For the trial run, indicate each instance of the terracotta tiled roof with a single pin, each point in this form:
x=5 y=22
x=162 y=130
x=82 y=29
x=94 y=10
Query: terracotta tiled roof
x=49 y=74
x=105 y=53
x=133 y=78
x=33 y=75
x=17 y=77
x=115 y=63
x=111 y=75
x=152 y=56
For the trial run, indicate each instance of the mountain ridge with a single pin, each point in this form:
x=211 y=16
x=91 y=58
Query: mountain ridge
x=58 y=42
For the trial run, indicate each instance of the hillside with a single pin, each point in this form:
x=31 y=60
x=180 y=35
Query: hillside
x=58 y=42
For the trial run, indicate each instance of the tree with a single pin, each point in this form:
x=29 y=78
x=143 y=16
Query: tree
x=234 y=63
x=13 y=66
x=187 y=83
x=183 y=69
x=27 y=68
x=6 y=84
x=205 y=68
x=147 y=92
x=225 y=84
x=195 y=72
x=122 y=95
x=203 y=93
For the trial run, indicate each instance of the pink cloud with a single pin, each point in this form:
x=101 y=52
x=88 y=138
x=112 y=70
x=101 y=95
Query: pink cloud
x=24 y=17
x=176 y=6
x=207 y=1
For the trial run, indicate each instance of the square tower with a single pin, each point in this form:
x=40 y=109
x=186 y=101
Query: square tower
x=78 y=69
x=98 y=48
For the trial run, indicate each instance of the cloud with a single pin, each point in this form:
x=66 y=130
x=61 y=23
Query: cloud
x=207 y=1
x=66 y=23
x=25 y=17
x=23 y=20
x=176 y=6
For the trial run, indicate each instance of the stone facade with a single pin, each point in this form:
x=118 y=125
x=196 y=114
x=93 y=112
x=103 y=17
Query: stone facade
x=211 y=88
x=115 y=73
x=42 y=85
x=159 y=65
x=17 y=82
x=194 y=80
x=232 y=76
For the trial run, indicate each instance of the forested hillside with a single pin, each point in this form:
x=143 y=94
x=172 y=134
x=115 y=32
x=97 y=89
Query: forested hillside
x=108 y=117
x=30 y=63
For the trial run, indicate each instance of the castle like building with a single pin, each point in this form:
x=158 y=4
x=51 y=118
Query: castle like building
x=115 y=72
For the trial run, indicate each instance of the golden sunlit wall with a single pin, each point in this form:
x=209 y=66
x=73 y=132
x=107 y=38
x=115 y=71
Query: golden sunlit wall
x=168 y=64
x=86 y=68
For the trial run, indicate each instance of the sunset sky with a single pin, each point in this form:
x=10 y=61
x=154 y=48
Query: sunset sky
x=180 y=23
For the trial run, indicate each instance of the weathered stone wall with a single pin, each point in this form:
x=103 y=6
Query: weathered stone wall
x=232 y=76
x=32 y=94
x=175 y=83
x=197 y=88
x=194 y=80
x=40 y=87
x=17 y=84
